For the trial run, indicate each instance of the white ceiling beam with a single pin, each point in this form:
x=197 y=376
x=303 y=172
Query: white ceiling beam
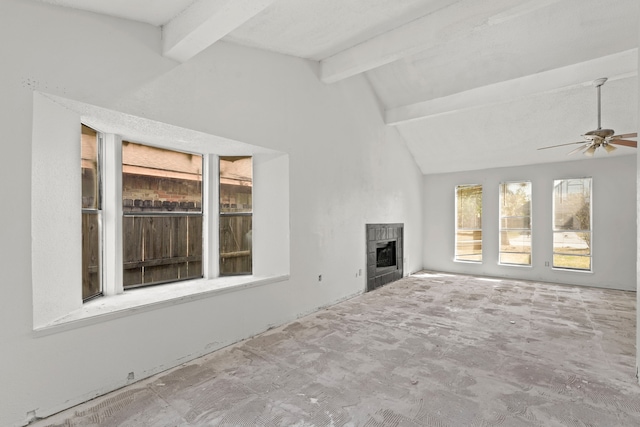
x=421 y=34
x=620 y=65
x=204 y=23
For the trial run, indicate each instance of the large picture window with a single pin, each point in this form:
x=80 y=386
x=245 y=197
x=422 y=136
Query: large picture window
x=162 y=215
x=515 y=223
x=236 y=208
x=468 y=223
x=572 y=236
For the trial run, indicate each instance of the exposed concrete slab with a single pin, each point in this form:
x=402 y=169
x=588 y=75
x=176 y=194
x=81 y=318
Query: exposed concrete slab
x=433 y=349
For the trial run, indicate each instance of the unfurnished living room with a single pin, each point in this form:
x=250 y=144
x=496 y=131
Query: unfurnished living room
x=319 y=213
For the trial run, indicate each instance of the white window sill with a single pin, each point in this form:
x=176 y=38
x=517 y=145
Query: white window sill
x=150 y=298
x=514 y=265
x=571 y=270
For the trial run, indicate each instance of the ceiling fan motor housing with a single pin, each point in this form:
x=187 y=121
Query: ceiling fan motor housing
x=602 y=133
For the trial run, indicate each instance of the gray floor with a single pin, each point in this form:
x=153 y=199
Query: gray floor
x=429 y=350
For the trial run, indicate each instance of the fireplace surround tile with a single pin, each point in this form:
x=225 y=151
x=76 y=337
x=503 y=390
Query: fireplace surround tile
x=382 y=234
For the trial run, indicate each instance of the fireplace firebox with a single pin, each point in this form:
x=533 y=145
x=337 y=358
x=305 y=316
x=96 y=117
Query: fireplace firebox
x=384 y=254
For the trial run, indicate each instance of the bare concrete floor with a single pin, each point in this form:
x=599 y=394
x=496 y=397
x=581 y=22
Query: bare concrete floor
x=429 y=350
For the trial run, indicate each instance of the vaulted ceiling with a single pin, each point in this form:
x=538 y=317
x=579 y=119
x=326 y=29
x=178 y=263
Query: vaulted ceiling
x=468 y=84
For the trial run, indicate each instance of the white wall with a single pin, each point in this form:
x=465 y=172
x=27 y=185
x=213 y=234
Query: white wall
x=346 y=169
x=614 y=221
x=638 y=250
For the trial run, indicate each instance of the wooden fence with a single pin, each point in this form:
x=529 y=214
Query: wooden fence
x=165 y=248
x=161 y=248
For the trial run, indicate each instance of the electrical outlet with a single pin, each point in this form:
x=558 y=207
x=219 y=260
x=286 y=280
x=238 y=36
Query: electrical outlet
x=546 y=263
x=319 y=277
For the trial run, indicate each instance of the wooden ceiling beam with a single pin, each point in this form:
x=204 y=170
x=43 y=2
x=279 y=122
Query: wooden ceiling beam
x=420 y=34
x=616 y=66
x=204 y=23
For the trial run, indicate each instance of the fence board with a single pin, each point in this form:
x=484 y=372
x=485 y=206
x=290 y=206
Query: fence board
x=90 y=255
x=157 y=248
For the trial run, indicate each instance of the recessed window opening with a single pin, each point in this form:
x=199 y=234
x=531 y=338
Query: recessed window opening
x=236 y=215
x=162 y=215
x=161 y=208
x=572 y=234
x=468 y=244
x=515 y=223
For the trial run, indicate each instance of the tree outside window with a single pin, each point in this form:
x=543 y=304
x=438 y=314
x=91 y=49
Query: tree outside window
x=468 y=236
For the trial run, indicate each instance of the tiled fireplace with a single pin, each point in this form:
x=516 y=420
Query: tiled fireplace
x=384 y=254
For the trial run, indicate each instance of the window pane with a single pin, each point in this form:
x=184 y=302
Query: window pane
x=89 y=165
x=235 y=244
x=515 y=241
x=236 y=204
x=572 y=224
x=91 y=239
x=159 y=180
x=162 y=224
x=159 y=249
x=469 y=223
x=572 y=262
x=236 y=182
x=570 y=242
x=90 y=254
x=469 y=245
x=572 y=204
x=515 y=258
x=515 y=223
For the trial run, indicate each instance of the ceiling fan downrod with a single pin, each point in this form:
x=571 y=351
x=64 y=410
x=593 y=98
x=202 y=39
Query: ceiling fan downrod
x=598 y=84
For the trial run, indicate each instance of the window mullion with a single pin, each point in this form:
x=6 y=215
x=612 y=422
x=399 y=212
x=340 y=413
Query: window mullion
x=112 y=214
x=210 y=220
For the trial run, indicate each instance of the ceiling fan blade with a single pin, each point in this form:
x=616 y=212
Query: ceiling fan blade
x=585 y=146
x=590 y=151
x=624 y=135
x=624 y=142
x=561 y=145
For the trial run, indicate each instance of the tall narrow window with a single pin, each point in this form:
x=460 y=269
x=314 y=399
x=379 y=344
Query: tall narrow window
x=572 y=224
x=91 y=213
x=469 y=223
x=162 y=215
x=515 y=223
x=236 y=209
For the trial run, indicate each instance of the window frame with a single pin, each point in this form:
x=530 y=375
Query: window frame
x=161 y=214
x=473 y=230
x=98 y=211
x=501 y=228
x=554 y=230
x=112 y=235
x=225 y=214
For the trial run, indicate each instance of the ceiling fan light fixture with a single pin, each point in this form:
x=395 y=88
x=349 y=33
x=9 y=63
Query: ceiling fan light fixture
x=608 y=147
x=590 y=151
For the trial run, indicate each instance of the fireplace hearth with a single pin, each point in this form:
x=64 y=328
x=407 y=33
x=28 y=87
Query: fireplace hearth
x=384 y=254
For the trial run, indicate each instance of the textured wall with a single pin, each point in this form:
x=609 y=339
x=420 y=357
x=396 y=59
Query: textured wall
x=342 y=158
x=614 y=221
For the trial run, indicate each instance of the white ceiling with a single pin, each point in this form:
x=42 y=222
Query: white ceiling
x=467 y=84
x=154 y=12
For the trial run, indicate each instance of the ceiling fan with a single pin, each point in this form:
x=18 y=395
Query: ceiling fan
x=604 y=138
